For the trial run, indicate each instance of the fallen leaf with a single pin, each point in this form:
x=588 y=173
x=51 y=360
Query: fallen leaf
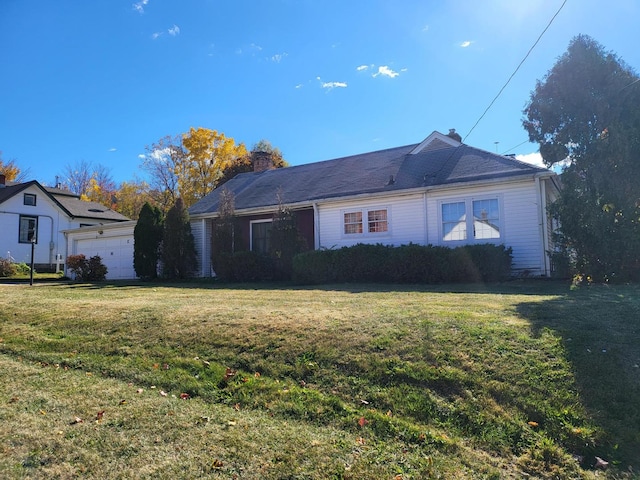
x=42 y=412
x=76 y=420
x=360 y=441
x=99 y=415
x=236 y=407
x=229 y=373
x=165 y=366
x=14 y=399
x=185 y=396
x=122 y=402
x=364 y=402
x=600 y=463
x=163 y=393
x=363 y=421
x=156 y=365
x=218 y=464
x=389 y=413
x=140 y=390
x=257 y=374
x=532 y=424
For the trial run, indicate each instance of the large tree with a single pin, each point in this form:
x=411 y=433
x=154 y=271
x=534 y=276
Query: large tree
x=11 y=171
x=207 y=154
x=585 y=116
x=161 y=164
x=245 y=164
x=147 y=237
x=178 y=245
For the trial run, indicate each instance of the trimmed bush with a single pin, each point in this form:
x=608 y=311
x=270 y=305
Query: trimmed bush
x=7 y=268
x=405 y=264
x=92 y=270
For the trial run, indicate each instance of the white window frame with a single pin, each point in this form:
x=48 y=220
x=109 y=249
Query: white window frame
x=23 y=228
x=251 y=223
x=364 y=211
x=469 y=220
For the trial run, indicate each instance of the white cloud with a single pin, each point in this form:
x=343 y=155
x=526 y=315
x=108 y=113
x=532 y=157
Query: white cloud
x=386 y=71
x=533 y=158
x=331 y=85
x=466 y=43
x=112 y=149
x=155 y=35
x=362 y=68
x=142 y=156
x=425 y=28
x=173 y=31
x=278 y=57
x=139 y=6
x=298 y=86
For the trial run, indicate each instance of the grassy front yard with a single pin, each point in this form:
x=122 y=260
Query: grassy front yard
x=352 y=382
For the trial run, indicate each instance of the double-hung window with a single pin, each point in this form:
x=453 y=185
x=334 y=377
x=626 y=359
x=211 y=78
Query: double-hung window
x=28 y=229
x=261 y=236
x=362 y=222
x=470 y=220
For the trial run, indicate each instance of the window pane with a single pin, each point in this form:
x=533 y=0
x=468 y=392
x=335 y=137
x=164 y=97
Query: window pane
x=28 y=228
x=377 y=221
x=486 y=219
x=454 y=221
x=353 y=222
x=261 y=237
x=29 y=199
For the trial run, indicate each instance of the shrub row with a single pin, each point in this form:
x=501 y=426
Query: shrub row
x=9 y=269
x=405 y=264
x=244 y=267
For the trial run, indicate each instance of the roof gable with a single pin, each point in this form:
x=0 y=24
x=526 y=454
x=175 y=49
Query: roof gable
x=70 y=204
x=436 y=141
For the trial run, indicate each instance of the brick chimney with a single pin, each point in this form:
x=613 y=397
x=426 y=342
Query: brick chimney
x=455 y=135
x=262 y=161
x=3 y=180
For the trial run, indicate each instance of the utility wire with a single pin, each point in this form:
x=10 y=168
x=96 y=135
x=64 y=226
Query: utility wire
x=513 y=148
x=516 y=70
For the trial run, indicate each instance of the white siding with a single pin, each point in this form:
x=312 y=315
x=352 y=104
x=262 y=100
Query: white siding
x=405 y=216
x=411 y=222
x=201 y=230
x=51 y=221
x=521 y=227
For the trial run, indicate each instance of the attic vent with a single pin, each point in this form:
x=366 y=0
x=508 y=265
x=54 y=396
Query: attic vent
x=96 y=210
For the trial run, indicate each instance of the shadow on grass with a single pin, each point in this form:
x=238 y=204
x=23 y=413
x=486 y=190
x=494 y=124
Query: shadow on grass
x=514 y=287
x=600 y=330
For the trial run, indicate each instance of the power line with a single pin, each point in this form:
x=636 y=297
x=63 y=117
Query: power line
x=513 y=148
x=516 y=70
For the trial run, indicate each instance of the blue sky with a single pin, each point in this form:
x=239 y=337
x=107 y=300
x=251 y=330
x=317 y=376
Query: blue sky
x=98 y=80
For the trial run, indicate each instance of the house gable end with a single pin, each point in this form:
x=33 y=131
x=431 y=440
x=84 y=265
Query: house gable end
x=435 y=141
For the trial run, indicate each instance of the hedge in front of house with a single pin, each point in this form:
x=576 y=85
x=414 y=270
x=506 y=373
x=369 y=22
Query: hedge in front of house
x=244 y=266
x=404 y=264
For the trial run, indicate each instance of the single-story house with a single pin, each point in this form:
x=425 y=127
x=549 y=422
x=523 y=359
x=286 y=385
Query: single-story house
x=439 y=192
x=30 y=212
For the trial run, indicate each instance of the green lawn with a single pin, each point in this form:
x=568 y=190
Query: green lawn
x=523 y=379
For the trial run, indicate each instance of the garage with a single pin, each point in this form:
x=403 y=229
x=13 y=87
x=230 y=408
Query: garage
x=113 y=242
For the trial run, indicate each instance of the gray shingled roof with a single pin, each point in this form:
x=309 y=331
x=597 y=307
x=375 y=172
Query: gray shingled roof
x=67 y=200
x=367 y=173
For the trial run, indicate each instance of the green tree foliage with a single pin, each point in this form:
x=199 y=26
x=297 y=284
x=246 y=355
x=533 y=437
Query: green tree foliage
x=178 y=244
x=585 y=116
x=147 y=238
x=245 y=163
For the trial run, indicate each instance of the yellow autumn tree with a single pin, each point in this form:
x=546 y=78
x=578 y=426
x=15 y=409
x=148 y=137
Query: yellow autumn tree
x=131 y=196
x=9 y=169
x=206 y=154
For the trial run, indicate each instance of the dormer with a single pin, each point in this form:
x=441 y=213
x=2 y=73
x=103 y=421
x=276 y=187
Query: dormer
x=437 y=141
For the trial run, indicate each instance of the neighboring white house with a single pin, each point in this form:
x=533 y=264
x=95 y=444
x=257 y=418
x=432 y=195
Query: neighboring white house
x=30 y=211
x=113 y=242
x=439 y=192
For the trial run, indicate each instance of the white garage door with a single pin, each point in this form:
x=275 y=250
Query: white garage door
x=116 y=254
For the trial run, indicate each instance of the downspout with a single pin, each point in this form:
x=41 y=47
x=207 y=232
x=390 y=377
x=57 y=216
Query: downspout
x=203 y=247
x=545 y=228
x=316 y=227
x=541 y=225
x=426 y=219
